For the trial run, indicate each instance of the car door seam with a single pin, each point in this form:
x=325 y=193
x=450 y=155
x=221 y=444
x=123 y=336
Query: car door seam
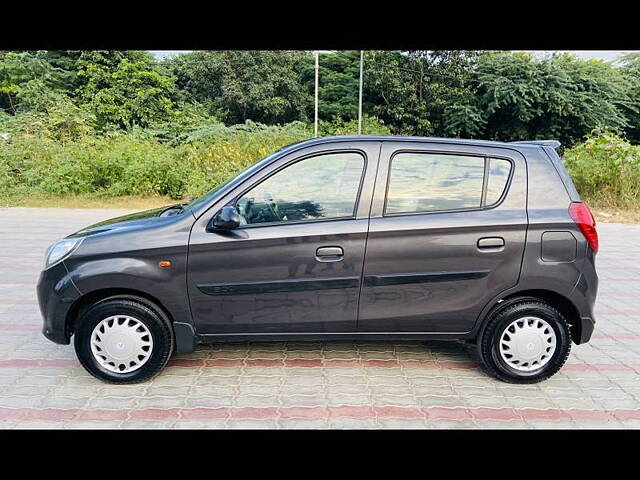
x=366 y=237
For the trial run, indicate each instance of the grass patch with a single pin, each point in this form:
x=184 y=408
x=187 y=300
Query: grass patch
x=605 y=212
x=132 y=202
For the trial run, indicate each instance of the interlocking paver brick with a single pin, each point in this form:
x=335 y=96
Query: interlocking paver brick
x=497 y=401
x=145 y=425
x=254 y=401
x=451 y=424
x=253 y=424
x=353 y=423
x=393 y=399
x=63 y=402
x=303 y=400
x=210 y=402
x=504 y=425
x=440 y=401
x=337 y=399
x=160 y=402
x=20 y=402
x=402 y=423
x=315 y=385
x=299 y=423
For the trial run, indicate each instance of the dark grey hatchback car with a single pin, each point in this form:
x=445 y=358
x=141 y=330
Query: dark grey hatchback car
x=359 y=237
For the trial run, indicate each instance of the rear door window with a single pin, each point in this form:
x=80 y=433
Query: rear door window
x=432 y=182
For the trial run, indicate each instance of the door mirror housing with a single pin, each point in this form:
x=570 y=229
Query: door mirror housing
x=226 y=219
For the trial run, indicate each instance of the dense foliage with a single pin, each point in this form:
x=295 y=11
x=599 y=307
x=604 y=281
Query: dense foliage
x=122 y=123
x=493 y=95
x=132 y=164
x=631 y=71
x=561 y=97
x=263 y=86
x=606 y=170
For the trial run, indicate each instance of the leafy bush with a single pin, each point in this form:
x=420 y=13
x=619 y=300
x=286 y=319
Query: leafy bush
x=38 y=158
x=120 y=164
x=606 y=170
x=370 y=126
x=61 y=121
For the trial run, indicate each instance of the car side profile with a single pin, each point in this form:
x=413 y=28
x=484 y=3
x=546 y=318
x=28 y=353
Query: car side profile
x=355 y=237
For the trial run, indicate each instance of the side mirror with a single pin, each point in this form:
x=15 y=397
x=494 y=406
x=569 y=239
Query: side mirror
x=226 y=219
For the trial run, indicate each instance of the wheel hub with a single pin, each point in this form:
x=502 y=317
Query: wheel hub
x=121 y=343
x=527 y=344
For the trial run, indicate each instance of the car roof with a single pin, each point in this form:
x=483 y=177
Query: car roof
x=398 y=138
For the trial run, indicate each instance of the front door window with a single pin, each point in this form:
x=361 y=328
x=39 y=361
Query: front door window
x=316 y=188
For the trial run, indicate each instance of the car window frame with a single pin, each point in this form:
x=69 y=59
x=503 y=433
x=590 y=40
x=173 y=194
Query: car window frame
x=356 y=204
x=485 y=184
x=485 y=181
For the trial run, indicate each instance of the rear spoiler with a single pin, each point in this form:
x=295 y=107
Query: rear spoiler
x=542 y=143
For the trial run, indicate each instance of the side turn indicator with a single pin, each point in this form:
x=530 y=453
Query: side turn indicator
x=164 y=263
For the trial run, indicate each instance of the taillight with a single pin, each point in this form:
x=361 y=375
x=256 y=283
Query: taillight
x=581 y=214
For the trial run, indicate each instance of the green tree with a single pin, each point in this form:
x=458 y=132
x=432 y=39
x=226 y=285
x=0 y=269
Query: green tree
x=630 y=68
x=67 y=63
x=122 y=88
x=263 y=86
x=411 y=91
x=516 y=96
x=338 y=85
x=28 y=81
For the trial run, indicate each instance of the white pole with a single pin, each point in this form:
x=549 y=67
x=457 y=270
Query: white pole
x=360 y=99
x=315 y=122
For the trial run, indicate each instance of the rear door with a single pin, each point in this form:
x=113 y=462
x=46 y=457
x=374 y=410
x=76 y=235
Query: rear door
x=447 y=233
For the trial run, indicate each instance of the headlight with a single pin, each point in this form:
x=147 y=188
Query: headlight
x=60 y=250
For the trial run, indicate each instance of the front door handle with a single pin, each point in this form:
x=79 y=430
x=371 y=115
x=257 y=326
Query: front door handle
x=491 y=243
x=329 y=254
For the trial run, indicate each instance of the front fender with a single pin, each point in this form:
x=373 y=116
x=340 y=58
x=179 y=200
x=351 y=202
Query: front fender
x=141 y=274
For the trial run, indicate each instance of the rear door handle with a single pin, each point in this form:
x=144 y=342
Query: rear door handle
x=491 y=243
x=329 y=254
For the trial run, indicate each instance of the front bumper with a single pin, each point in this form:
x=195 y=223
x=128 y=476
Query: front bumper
x=56 y=294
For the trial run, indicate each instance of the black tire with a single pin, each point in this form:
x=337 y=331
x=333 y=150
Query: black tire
x=142 y=310
x=501 y=318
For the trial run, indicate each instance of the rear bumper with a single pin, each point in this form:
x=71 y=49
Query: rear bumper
x=583 y=296
x=56 y=294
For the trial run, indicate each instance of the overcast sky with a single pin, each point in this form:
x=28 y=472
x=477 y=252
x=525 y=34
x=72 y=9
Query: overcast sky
x=607 y=55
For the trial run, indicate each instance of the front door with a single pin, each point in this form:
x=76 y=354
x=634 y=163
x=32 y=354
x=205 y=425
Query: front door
x=295 y=263
x=447 y=233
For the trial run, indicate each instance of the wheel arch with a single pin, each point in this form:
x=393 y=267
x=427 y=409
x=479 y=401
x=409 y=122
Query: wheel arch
x=185 y=338
x=563 y=304
x=88 y=299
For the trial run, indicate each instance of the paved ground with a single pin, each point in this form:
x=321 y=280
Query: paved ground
x=311 y=385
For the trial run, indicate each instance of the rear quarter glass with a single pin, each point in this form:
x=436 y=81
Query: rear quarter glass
x=498 y=175
x=562 y=172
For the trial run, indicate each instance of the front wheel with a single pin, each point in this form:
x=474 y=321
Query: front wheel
x=526 y=341
x=122 y=340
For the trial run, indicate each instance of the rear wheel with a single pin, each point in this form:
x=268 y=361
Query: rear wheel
x=525 y=341
x=121 y=340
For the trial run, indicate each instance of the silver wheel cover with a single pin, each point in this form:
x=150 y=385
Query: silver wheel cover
x=121 y=344
x=527 y=344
